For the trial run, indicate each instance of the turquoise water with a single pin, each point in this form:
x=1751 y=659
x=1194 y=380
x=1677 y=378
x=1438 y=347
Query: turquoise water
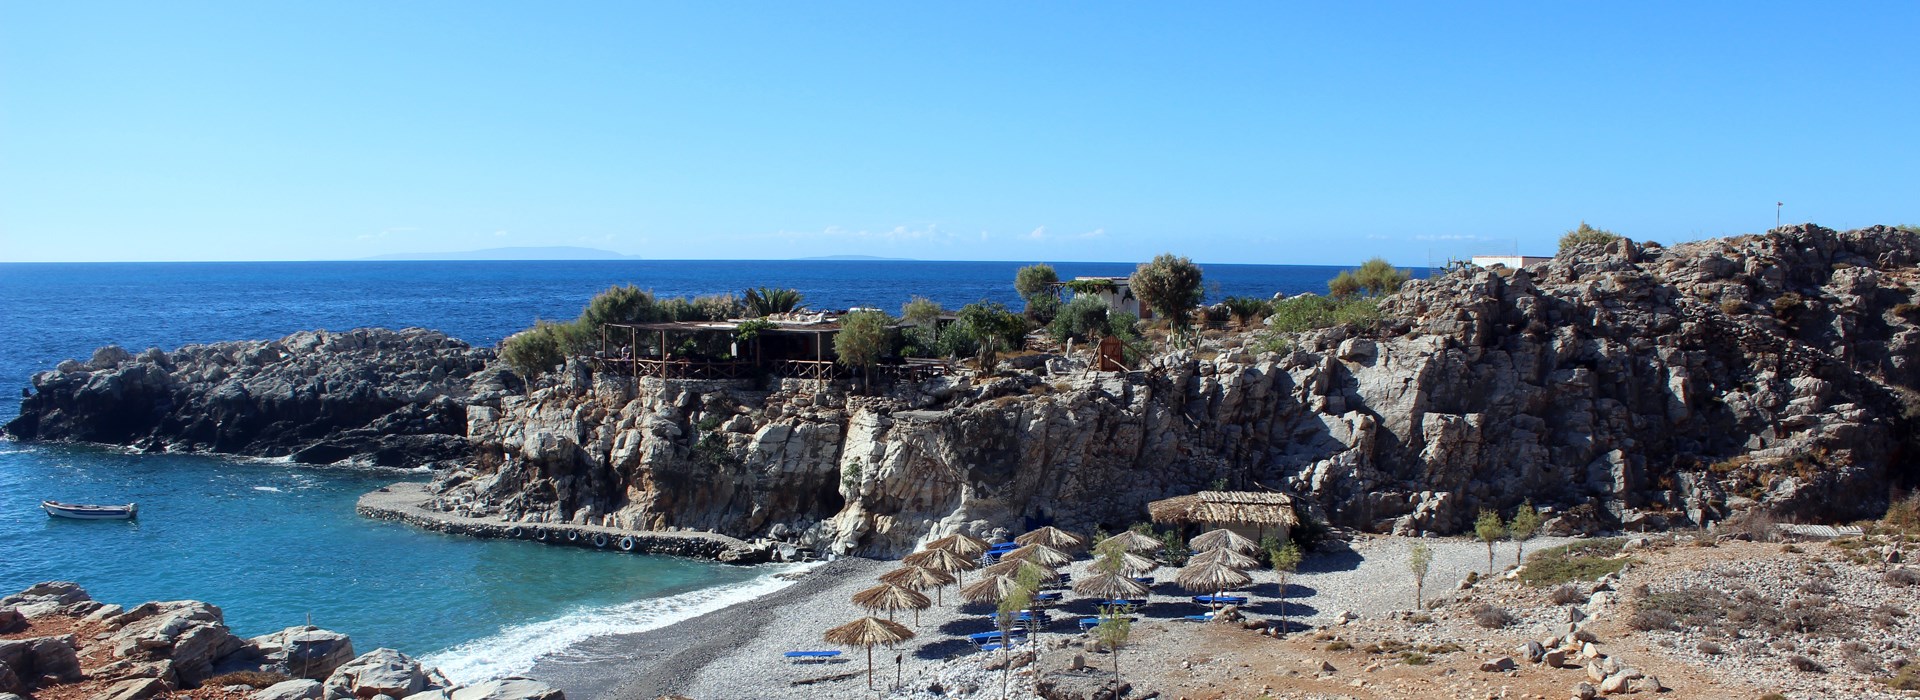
x=272 y=544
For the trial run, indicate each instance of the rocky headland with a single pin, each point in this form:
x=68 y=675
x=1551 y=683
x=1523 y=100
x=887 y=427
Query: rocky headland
x=1619 y=386
x=368 y=396
x=1628 y=386
x=57 y=643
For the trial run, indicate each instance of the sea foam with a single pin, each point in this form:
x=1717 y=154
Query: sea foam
x=516 y=648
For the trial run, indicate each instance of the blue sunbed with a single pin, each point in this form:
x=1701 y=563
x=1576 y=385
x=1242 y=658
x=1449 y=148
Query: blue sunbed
x=988 y=637
x=812 y=656
x=1220 y=599
x=1087 y=623
x=1135 y=602
x=1202 y=617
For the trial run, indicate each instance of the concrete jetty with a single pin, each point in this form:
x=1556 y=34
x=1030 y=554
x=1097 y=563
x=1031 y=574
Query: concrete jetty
x=405 y=502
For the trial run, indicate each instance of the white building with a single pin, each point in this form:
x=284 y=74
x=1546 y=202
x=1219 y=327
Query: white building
x=1112 y=290
x=1510 y=261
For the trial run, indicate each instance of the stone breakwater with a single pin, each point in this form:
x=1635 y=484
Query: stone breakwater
x=1624 y=386
x=404 y=502
x=56 y=641
x=371 y=396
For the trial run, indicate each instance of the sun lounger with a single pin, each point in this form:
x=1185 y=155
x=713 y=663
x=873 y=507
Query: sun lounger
x=996 y=646
x=1220 y=599
x=1202 y=617
x=991 y=637
x=1135 y=602
x=1046 y=597
x=1087 y=623
x=812 y=657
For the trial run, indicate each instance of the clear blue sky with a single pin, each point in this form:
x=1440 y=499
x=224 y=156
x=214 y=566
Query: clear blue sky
x=1314 y=133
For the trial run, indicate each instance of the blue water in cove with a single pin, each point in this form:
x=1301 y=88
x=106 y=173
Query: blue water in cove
x=272 y=543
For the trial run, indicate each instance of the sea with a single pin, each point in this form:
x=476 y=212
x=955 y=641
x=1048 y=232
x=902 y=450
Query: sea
x=275 y=544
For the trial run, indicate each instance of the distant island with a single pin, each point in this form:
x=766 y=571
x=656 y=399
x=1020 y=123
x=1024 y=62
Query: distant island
x=514 y=253
x=852 y=257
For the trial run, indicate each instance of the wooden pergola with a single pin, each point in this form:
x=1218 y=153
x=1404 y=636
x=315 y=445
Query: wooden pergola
x=1257 y=509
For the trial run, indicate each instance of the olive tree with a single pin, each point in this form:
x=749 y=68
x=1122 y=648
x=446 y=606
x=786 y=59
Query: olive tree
x=864 y=337
x=1036 y=285
x=1489 y=529
x=1524 y=526
x=1171 y=286
x=1419 y=561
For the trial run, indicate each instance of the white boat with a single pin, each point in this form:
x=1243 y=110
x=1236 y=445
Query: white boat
x=79 y=511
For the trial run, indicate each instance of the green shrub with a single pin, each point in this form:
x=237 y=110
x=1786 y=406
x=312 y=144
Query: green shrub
x=1580 y=561
x=1585 y=234
x=534 y=351
x=1083 y=318
x=1170 y=285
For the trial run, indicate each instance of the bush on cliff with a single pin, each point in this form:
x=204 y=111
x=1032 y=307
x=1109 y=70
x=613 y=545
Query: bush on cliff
x=1084 y=318
x=547 y=344
x=1310 y=311
x=544 y=346
x=1171 y=286
x=1585 y=234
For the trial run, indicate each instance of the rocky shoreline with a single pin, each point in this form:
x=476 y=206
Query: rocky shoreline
x=405 y=502
x=57 y=643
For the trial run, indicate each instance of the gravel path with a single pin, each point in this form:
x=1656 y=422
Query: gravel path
x=1371 y=577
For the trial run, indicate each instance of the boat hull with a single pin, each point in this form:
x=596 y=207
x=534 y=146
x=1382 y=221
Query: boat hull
x=74 y=511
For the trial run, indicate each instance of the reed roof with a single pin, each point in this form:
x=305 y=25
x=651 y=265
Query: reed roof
x=1221 y=507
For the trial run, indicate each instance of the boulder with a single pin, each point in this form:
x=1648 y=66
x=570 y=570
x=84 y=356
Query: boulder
x=305 y=651
x=135 y=689
x=10 y=681
x=507 y=689
x=1585 y=691
x=1646 y=684
x=1616 y=683
x=190 y=634
x=1499 y=665
x=379 y=672
x=41 y=657
x=296 y=689
x=43 y=599
x=1533 y=651
x=11 y=621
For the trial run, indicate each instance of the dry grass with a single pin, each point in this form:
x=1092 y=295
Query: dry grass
x=251 y=679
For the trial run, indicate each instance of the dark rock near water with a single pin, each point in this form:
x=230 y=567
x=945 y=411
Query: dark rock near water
x=376 y=396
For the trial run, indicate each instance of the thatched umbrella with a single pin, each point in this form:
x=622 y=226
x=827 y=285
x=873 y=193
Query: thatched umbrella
x=1136 y=542
x=867 y=632
x=990 y=589
x=1053 y=537
x=1039 y=554
x=889 y=597
x=1012 y=568
x=1223 y=539
x=1109 y=586
x=919 y=578
x=1225 y=556
x=960 y=544
x=943 y=560
x=1135 y=565
x=1211 y=577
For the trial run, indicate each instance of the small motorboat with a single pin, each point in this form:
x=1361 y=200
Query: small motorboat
x=79 y=511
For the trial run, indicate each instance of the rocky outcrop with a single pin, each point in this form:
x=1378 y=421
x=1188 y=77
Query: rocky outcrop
x=155 y=649
x=374 y=396
x=1625 y=385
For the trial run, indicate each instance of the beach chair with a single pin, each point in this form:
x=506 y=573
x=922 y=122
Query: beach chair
x=1087 y=623
x=1220 y=599
x=1202 y=617
x=812 y=657
x=1046 y=597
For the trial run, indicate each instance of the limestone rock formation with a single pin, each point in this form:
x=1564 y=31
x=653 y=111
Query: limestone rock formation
x=382 y=671
x=392 y=398
x=1618 y=386
x=305 y=651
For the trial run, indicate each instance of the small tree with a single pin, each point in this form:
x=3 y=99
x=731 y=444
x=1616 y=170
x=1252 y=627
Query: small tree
x=924 y=313
x=1286 y=560
x=1083 y=318
x=764 y=301
x=1174 y=547
x=1489 y=529
x=1113 y=633
x=1010 y=606
x=993 y=328
x=1343 y=286
x=864 y=337
x=1246 y=309
x=1036 y=285
x=1419 y=560
x=1586 y=234
x=1525 y=524
x=1171 y=286
x=1378 y=277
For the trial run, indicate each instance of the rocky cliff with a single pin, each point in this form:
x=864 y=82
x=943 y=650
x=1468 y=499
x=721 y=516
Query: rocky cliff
x=1626 y=385
x=374 y=396
x=56 y=641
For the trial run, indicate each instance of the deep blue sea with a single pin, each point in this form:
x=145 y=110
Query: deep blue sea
x=273 y=544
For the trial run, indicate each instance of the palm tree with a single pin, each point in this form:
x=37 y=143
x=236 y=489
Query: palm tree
x=764 y=301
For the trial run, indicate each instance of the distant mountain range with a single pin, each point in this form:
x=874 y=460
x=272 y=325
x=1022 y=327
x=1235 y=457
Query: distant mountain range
x=850 y=257
x=514 y=253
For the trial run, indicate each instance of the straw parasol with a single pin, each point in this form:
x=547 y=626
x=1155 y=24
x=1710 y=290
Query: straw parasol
x=945 y=560
x=919 y=578
x=960 y=544
x=889 y=597
x=1109 y=585
x=990 y=589
x=1039 y=554
x=1211 y=577
x=1228 y=557
x=1135 y=565
x=1223 y=539
x=1053 y=537
x=1012 y=568
x=1136 y=542
x=867 y=632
